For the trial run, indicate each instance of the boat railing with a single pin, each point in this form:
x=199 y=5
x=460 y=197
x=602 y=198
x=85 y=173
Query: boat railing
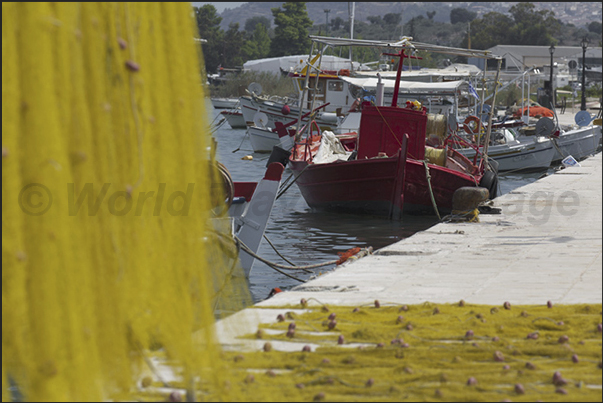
x=454 y=139
x=309 y=140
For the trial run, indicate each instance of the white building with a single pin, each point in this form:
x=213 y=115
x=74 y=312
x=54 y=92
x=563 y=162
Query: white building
x=285 y=64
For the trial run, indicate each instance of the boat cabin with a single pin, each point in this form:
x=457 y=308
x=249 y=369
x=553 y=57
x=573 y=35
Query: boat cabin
x=382 y=130
x=331 y=89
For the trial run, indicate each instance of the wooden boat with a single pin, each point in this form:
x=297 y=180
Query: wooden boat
x=389 y=169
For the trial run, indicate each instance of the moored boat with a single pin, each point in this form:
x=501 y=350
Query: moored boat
x=224 y=103
x=578 y=142
x=234 y=117
x=389 y=169
x=512 y=151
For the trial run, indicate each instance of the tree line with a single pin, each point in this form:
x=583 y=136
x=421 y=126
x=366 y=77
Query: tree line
x=525 y=25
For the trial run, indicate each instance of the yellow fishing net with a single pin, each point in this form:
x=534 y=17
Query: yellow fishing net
x=115 y=260
x=109 y=245
x=426 y=352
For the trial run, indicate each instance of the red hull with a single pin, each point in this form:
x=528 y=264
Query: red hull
x=365 y=186
x=372 y=184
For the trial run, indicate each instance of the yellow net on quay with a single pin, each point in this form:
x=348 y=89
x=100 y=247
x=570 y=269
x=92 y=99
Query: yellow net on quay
x=109 y=246
x=428 y=352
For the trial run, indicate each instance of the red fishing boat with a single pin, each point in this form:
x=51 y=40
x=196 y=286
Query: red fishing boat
x=386 y=168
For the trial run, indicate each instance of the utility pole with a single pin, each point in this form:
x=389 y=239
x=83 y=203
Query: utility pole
x=551 y=87
x=327 y=11
x=584 y=44
x=469 y=35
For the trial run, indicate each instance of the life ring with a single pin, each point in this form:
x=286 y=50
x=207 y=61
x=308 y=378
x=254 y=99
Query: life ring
x=469 y=122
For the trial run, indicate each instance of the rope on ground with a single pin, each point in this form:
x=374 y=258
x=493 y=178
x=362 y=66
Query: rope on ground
x=462 y=216
x=433 y=202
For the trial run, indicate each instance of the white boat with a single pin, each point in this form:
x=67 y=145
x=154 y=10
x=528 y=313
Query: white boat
x=234 y=117
x=514 y=152
x=263 y=139
x=283 y=110
x=225 y=103
x=579 y=143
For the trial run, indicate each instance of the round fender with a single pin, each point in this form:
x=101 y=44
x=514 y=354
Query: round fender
x=493 y=165
x=490 y=182
x=285 y=110
x=471 y=124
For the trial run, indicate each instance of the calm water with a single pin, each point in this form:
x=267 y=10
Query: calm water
x=306 y=237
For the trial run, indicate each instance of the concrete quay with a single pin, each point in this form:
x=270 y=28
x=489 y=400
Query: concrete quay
x=545 y=245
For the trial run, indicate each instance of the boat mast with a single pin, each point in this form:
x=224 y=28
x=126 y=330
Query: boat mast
x=351 y=11
x=304 y=93
x=490 y=113
x=402 y=56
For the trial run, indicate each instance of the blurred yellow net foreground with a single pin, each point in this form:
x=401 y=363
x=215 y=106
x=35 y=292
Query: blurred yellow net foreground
x=115 y=265
x=109 y=246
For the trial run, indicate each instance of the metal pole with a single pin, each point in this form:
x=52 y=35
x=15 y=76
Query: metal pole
x=583 y=104
x=529 y=100
x=551 y=101
x=327 y=21
x=304 y=94
x=352 y=26
x=488 y=130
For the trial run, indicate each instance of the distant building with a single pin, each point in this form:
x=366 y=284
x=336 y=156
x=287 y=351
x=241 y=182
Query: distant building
x=517 y=58
x=286 y=64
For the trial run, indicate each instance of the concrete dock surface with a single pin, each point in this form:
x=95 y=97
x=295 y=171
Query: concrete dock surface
x=545 y=245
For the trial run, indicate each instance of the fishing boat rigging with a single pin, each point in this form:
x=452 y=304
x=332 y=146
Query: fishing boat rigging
x=387 y=166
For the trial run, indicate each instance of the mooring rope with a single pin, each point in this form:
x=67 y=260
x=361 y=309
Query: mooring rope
x=278 y=267
x=433 y=202
x=278 y=253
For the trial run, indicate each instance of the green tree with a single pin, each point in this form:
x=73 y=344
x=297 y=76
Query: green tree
x=532 y=27
x=208 y=24
x=291 y=30
x=461 y=15
x=374 y=19
x=392 y=18
x=336 y=23
x=258 y=45
x=234 y=40
x=431 y=14
x=250 y=23
x=490 y=30
x=595 y=27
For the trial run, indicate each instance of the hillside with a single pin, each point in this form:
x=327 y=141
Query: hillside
x=576 y=13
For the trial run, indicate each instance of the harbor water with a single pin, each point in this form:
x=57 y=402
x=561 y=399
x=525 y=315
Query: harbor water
x=307 y=237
